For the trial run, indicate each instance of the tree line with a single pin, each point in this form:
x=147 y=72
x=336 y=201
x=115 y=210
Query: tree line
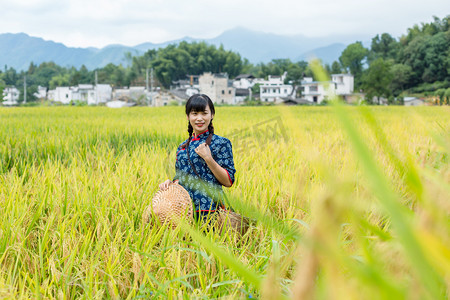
x=417 y=62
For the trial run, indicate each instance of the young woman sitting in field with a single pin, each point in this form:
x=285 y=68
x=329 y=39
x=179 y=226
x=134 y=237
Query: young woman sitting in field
x=204 y=162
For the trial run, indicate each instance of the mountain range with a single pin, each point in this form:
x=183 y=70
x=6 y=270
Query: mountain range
x=18 y=50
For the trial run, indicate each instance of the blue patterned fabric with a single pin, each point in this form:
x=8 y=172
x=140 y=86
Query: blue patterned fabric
x=208 y=194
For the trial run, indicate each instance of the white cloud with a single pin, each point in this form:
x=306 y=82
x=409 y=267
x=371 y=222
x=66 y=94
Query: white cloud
x=100 y=22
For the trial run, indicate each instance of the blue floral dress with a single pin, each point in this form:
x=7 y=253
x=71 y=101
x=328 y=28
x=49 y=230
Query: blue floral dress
x=206 y=193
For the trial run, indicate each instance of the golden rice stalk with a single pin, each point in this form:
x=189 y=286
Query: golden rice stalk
x=136 y=267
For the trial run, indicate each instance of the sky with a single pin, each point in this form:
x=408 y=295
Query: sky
x=97 y=23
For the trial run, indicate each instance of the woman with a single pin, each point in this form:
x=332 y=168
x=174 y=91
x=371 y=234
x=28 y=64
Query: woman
x=204 y=161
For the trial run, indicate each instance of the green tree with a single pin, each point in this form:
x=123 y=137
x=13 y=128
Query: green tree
x=428 y=56
x=401 y=75
x=81 y=76
x=256 y=89
x=248 y=68
x=336 y=68
x=10 y=77
x=384 y=46
x=447 y=96
x=429 y=29
x=376 y=80
x=233 y=64
x=353 y=58
x=43 y=73
x=413 y=55
x=59 y=80
x=2 y=87
x=296 y=71
x=174 y=62
x=436 y=55
x=31 y=69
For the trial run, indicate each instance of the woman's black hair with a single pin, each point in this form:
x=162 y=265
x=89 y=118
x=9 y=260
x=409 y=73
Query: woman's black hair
x=198 y=103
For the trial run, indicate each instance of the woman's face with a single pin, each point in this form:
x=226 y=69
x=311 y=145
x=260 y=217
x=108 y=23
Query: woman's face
x=200 y=120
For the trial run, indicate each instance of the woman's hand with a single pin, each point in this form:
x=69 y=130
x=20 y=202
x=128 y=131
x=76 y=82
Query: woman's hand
x=203 y=151
x=165 y=185
x=219 y=172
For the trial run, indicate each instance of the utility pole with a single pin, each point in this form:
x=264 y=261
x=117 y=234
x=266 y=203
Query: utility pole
x=25 y=89
x=146 y=79
x=96 y=89
x=146 y=86
x=250 y=94
x=151 y=86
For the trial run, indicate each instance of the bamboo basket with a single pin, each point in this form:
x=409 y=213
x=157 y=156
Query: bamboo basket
x=230 y=220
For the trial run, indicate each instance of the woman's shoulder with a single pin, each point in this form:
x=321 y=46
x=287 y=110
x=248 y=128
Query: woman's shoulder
x=220 y=139
x=179 y=146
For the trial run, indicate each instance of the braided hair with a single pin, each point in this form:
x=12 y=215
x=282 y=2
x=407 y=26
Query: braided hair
x=198 y=102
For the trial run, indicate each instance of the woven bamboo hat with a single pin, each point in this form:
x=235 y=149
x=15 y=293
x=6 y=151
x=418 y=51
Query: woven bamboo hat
x=170 y=205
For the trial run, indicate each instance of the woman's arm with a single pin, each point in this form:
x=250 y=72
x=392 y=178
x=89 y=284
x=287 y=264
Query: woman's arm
x=220 y=173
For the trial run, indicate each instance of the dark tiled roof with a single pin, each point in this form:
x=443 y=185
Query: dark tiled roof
x=220 y=75
x=290 y=99
x=181 y=82
x=242 y=92
x=180 y=93
x=244 y=76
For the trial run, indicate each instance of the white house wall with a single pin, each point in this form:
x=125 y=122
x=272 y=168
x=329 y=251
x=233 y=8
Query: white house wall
x=11 y=96
x=62 y=94
x=273 y=92
x=318 y=90
x=344 y=83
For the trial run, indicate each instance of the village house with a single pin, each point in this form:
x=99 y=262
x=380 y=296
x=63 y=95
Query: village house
x=41 y=92
x=84 y=93
x=141 y=96
x=137 y=94
x=164 y=98
x=243 y=84
x=315 y=92
x=62 y=94
x=10 y=96
x=413 y=101
x=274 y=89
x=185 y=88
x=92 y=95
x=218 y=87
x=244 y=81
x=103 y=94
x=241 y=94
x=344 y=85
x=180 y=95
x=191 y=81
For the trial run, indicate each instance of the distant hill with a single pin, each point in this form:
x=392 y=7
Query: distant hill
x=328 y=53
x=19 y=50
x=263 y=47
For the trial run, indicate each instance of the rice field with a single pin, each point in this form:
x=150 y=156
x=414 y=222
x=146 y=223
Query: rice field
x=345 y=202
